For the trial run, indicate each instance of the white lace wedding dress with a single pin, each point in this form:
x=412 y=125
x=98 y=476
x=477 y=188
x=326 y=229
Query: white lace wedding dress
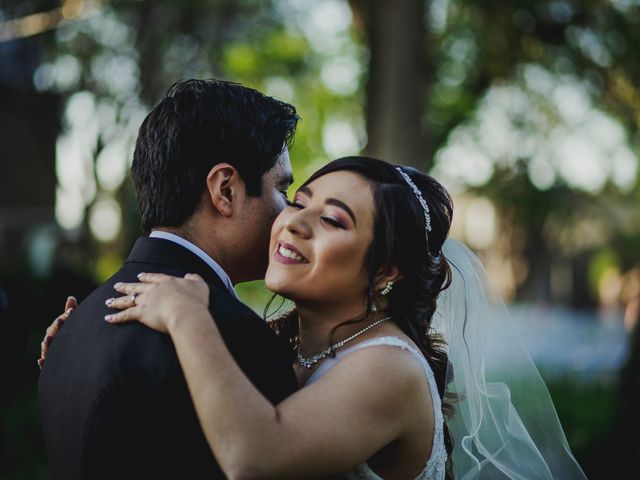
x=435 y=467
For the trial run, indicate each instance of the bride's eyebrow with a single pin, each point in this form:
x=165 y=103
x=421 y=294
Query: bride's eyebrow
x=306 y=190
x=331 y=201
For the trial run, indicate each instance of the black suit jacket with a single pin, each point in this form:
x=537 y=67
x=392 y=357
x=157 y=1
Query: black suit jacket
x=112 y=398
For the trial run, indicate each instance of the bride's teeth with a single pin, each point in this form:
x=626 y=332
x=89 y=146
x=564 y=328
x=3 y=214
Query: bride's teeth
x=285 y=252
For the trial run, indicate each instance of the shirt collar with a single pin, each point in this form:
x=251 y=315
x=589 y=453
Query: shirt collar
x=200 y=253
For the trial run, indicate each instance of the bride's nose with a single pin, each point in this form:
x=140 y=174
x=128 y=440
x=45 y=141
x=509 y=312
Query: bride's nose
x=297 y=225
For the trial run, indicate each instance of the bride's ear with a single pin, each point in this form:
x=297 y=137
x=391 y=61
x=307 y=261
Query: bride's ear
x=386 y=274
x=222 y=184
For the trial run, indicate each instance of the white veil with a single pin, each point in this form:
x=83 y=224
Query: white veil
x=504 y=423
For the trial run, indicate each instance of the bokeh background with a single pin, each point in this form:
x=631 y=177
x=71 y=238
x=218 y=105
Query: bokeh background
x=528 y=111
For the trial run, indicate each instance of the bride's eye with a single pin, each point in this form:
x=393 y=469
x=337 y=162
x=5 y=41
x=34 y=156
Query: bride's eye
x=295 y=204
x=332 y=221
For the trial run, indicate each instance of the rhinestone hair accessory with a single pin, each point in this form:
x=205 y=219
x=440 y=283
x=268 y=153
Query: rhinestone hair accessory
x=418 y=194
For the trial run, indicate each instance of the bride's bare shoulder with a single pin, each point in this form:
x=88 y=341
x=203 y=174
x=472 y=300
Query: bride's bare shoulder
x=386 y=370
x=391 y=357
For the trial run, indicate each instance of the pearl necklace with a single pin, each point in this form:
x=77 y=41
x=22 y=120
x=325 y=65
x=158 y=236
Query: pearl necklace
x=310 y=362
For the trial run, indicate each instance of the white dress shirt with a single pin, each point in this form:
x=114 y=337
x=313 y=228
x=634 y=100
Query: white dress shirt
x=200 y=253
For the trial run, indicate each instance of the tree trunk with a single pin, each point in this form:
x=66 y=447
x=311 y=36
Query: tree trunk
x=396 y=90
x=537 y=286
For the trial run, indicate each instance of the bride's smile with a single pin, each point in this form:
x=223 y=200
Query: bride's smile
x=288 y=254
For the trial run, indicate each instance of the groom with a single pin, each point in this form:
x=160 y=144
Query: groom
x=211 y=171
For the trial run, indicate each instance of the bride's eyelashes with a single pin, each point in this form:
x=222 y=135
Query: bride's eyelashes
x=332 y=221
x=326 y=219
x=329 y=220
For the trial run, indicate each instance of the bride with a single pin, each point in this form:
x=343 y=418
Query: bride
x=391 y=343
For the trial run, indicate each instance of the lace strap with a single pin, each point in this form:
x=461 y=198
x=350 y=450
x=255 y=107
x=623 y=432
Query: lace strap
x=389 y=340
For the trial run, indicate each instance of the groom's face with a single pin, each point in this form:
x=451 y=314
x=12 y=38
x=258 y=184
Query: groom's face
x=259 y=215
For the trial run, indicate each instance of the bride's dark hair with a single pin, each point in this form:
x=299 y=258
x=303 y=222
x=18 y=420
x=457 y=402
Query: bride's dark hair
x=399 y=239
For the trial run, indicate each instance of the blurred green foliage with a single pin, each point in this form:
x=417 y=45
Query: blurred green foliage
x=586 y=412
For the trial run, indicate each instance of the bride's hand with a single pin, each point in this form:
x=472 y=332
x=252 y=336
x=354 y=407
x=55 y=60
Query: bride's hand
x=159 y=299
x=70 y=305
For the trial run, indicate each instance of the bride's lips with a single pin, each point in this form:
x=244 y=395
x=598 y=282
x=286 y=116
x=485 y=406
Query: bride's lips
x=288 y=254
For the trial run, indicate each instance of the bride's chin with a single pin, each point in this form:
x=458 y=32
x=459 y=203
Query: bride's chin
x=277 y=285
x=284 y=292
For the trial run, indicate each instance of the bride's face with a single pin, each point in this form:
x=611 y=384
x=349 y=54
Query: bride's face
x=318 y=245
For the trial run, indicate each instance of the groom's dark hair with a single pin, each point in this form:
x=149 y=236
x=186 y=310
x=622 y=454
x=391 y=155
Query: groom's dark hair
x=198 y=124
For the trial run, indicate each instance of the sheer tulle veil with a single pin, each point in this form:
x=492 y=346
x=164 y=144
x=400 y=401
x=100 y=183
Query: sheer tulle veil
x=504 y=423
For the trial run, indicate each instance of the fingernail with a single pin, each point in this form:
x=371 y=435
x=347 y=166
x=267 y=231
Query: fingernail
x=140 y=276
x=47 y=340
x=109 y=301
x=108 y=318
x=59 y=322
x=118 y=285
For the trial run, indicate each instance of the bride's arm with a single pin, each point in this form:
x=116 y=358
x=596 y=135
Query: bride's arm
x=326 y=428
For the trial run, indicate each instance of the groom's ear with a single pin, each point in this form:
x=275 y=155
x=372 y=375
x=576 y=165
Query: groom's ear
x=222 y=185
x=388 y=273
